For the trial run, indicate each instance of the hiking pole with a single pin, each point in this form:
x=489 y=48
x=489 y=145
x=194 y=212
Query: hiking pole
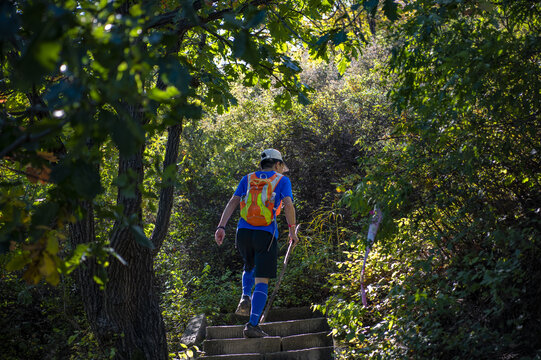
x=372 y=231
x=271 y=299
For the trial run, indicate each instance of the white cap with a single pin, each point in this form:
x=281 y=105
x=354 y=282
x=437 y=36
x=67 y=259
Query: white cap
x=273 y=154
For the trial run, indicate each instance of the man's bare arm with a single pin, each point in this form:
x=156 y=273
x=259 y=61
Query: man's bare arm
x=228 y=211
x=289 y=211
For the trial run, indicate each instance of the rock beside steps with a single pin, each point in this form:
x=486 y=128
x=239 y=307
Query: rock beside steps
x=294 y=334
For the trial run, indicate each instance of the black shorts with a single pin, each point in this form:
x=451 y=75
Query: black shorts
x=258 y=249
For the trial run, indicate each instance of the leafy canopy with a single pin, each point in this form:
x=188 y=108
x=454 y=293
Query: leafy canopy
x=81 y=80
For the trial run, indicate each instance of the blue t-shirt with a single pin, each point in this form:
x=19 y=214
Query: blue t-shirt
x=283 y=190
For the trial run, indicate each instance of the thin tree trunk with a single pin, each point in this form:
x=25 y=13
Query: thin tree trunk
x=166 y=193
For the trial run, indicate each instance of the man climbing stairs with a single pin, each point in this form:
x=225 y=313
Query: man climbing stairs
x=294 y=334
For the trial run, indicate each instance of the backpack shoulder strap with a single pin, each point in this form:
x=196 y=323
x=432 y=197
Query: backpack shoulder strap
x=249 y=178
x=275 y=179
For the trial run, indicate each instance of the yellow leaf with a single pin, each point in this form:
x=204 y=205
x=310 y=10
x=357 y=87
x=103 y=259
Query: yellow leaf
x=47 y=156
x=47 y=265
x=52 y=244
x=18 y=261
x=53 y=278
x=32 y=275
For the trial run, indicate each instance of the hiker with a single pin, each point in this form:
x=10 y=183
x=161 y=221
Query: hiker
x=260 y=195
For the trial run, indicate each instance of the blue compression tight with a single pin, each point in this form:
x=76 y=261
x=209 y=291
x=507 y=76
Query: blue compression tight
x=259 y=299
x=248 y=282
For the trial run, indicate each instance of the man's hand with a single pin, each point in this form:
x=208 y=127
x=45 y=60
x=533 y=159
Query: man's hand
x=219 y=236
x=293 y=235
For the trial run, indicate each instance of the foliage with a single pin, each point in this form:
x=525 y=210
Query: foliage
x=88 y=84
x=459 y=184
x=99 y=66
x=455 y=168
x=40 y=322
x=221 y=148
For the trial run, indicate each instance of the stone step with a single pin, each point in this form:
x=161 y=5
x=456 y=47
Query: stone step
x=232 y=357
x=280 y=328
x=296 y=313
x=294 y=334
x=267 y=344
x=307 y=341
x=242 y=346
x=323 y=353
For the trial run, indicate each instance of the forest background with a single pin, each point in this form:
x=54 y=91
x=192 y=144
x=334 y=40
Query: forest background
x=427 y=109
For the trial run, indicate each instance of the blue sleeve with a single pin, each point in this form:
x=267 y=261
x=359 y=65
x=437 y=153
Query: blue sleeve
x=241 y=188
x=284 y=188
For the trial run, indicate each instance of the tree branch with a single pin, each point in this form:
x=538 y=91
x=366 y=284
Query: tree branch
x=169 y=18
x=218 y=36
x=166 y=193
x=28 y=138
x=290 y=29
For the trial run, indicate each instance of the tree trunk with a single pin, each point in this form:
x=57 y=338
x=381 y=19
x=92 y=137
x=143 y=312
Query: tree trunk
x=166 y=193
x=82 y=232
x=126 y=314
x=131 y=300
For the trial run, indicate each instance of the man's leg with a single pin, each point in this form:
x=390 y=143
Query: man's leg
x=259 y=299
x=266 y=251
x=248 y=282
x=243 y=309
x=244 y=245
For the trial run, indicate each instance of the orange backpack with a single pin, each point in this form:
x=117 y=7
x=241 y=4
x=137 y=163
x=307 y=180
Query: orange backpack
x=257 y=207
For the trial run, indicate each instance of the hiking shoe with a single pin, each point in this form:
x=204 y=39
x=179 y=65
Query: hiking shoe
x=251 y=331
x=245 y=306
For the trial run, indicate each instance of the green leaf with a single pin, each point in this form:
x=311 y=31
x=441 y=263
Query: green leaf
x=240 y=45
x=190 y=111
x=127 y=135
x=78 y=255
x=112 y=251
x=9 y=21
x=72 y=338
x=135 y=10
x=257 y=19
x=78 y=176
x=303 y=99
x=339 y=37
x=47 y=53
x=140 y=236
x=244 y=49
x=174 y=74
x=390 y=9
x=18 y=261
x=98 y=280
x=371 y=6
x=291 y=64
x=163 y=95
x=86 y=180
x=44 y=213
x=343 y=65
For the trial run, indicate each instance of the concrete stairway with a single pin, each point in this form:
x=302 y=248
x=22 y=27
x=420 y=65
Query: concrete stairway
x=294 y=334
